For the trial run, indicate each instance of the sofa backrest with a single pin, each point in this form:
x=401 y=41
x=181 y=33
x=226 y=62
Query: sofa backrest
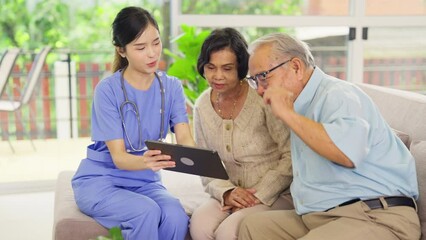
x=406 y=112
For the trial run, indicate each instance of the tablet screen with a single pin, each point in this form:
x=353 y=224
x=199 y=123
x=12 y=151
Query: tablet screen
x=192 y=160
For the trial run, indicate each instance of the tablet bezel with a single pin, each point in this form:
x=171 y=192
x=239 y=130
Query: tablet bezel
x=207 y=162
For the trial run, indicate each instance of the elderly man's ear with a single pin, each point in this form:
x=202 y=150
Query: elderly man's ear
x=298 y=67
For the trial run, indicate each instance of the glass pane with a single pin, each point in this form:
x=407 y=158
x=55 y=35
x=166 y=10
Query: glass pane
x=395 y=7
x=268 y=7
x=326 y=7
x=396 y=57
x=329 y=48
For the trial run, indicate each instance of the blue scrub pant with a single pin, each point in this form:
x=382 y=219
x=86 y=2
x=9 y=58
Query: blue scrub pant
x=148 y=212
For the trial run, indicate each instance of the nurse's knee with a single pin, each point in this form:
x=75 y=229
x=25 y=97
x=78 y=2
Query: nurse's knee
x=174 y=214
x=148 y=209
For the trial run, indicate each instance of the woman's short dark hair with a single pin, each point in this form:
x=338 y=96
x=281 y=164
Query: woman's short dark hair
x=128 y=25
x=220 y=39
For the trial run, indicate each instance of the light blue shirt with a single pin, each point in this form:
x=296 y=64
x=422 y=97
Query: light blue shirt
x=383 y=165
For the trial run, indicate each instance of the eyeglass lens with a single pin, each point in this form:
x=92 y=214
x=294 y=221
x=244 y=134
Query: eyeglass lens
x=260 y=78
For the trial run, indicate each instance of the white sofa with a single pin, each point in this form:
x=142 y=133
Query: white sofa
x=404 y=111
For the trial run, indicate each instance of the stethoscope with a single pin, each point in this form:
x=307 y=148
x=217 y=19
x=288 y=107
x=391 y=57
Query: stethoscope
x=134 y=107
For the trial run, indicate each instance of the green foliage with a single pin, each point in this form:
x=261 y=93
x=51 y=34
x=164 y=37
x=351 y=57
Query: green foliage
x=114 y=234
x=248 y=7
x=184 y=64
x=13 y=12
x=45 y=24
x=62 y=24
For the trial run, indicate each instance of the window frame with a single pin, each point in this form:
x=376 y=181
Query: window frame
x=357 y=19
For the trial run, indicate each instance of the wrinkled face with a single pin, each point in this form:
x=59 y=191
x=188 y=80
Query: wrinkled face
x=268 y=70
x=222 y=71
x=144 y=52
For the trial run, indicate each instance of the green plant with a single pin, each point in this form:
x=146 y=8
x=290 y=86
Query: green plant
x=45 y=24
x=114 y=234
x=184 y=65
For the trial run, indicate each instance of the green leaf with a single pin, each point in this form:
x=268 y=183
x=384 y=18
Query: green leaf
x=185 y=58
x=115 y=233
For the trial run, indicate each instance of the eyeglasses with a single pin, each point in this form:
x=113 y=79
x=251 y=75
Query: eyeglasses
x=260 y=78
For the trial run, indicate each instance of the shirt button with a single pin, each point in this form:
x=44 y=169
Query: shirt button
x=228 y=127
x=228 y=148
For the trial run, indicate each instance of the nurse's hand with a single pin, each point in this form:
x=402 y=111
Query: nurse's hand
x=155 y=161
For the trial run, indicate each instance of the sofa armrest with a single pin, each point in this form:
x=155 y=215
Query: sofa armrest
x=68 y=222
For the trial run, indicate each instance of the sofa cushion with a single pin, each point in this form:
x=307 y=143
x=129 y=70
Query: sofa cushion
x=418 y=150
x=405 y=138
x=68 y=222
x=186 y=187
x=406 y=111
x=403 y=110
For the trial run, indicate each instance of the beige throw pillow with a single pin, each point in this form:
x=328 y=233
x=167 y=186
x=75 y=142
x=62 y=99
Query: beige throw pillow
x=405 y=138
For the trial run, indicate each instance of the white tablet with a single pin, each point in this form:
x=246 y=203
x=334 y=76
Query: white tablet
x=192 y=160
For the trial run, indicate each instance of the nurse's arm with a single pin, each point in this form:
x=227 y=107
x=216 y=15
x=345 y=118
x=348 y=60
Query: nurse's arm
x=152 y=159
x=183 y=134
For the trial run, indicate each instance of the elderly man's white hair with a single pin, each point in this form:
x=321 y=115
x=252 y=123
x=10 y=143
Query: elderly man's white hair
x=283 y=45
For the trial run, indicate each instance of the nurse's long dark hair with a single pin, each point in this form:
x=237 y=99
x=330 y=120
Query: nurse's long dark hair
x=128 y=25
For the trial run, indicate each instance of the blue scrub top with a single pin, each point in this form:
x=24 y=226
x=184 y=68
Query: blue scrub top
x=107 y=124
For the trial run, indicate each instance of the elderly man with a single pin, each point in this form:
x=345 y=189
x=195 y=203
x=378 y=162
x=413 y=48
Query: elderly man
x=353 y=177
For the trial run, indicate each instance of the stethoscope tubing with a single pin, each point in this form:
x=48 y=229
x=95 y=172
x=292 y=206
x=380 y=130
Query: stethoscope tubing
x=136 y=110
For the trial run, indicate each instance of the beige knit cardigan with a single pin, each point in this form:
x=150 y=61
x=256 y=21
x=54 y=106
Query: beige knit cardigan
x=255 y=148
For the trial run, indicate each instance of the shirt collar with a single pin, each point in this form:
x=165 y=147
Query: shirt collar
x=305 y=97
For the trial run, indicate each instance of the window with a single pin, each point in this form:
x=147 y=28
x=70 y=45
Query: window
x=387 y=36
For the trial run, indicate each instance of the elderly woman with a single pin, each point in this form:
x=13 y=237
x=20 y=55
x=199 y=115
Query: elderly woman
x=232 y=119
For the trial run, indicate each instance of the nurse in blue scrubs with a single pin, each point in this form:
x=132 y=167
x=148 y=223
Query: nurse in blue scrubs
x=118 y=184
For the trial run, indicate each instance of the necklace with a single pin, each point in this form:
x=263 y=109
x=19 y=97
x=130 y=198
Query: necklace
x=234 y=104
